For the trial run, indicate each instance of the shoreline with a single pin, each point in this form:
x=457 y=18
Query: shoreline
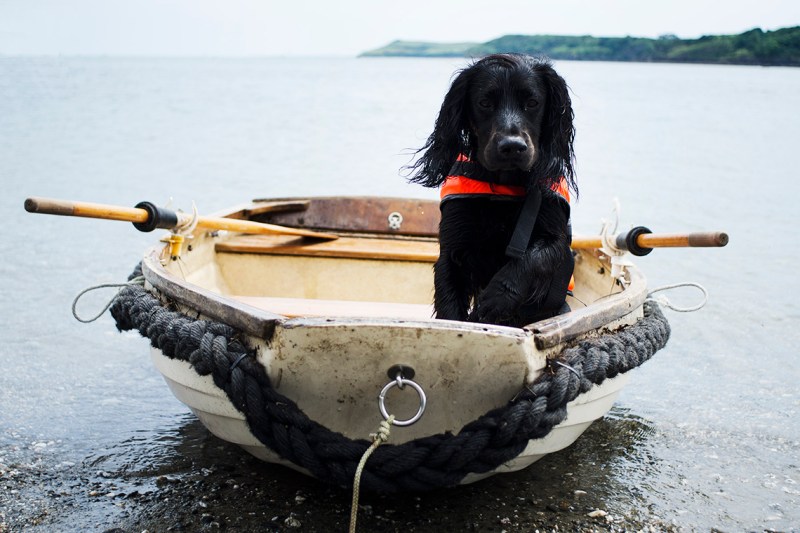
x=755 y=47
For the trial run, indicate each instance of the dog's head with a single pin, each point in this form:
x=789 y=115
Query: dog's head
x=511 y=113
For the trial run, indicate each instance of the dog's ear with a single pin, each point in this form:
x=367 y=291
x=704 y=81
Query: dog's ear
x=451 y=135
x=558 y=132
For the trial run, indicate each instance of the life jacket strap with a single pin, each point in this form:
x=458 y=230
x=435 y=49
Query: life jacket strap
x=525 y=223
x=469 y=179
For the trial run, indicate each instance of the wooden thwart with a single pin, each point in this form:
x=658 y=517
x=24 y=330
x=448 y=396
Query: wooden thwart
x=426 y=251
x=307 y=307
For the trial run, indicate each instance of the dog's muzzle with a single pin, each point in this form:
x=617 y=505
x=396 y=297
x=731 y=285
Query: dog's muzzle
x=510 y=152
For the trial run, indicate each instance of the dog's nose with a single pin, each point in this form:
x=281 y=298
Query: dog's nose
x=512 y=146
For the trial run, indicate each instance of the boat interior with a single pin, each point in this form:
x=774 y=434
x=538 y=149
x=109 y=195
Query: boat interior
x=380 y=264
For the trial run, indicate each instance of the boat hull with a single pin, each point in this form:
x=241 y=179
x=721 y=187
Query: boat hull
x=213 y=408
x=327 y=324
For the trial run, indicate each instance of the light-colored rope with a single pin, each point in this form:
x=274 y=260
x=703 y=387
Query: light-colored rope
x=617 y=256
x=377 y=439
x=135 y=281
x=662 y=300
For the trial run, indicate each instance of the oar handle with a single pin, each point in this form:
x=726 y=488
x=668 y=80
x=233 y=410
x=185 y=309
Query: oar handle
x=51 y=206
x=709 y=239
x=639 y=240
x=147 y=216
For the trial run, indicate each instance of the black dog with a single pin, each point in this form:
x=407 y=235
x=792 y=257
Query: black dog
x=501 y=146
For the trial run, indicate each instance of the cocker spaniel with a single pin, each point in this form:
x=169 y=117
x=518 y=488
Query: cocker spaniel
x=502 y=153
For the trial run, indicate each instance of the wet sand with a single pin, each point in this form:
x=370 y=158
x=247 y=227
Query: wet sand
x=199 y=483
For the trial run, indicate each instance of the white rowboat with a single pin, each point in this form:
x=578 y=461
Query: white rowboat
x=330 y=323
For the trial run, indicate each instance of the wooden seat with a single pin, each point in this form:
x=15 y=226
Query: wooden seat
x=297 y=307
x=421 y=250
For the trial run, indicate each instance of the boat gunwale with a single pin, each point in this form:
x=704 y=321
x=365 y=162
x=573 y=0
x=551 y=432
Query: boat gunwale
x=261 y=323
x=248 y=319
x=569 y=326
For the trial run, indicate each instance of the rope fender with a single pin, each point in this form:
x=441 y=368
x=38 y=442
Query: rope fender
x=436 y=461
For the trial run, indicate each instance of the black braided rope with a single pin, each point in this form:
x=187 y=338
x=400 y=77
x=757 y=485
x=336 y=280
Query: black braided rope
x=431 y=462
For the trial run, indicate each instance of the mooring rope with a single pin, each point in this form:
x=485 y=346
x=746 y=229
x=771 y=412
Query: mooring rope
x=440 y=460
x=135 y=280
x=378 y=438
x=663 y=300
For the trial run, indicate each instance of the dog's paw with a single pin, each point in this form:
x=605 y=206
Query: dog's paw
x=487 y=315
x=494 y=307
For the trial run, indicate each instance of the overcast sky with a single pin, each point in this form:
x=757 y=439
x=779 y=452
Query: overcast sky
x=348 y=27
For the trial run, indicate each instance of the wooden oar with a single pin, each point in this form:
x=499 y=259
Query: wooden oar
x=147 y=217
x=639 y=240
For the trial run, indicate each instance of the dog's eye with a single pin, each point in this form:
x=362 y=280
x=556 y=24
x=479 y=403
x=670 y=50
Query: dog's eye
x=532 y=103
x=485 y=103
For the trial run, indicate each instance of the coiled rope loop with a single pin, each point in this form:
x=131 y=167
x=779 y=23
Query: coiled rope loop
x=440 y=460
x=663 y=300
x=134 y=280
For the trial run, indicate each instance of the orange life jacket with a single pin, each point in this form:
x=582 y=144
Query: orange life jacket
x=462 y=185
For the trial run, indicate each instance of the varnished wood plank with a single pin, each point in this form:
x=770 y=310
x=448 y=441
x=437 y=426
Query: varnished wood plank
x=281 y=206
x=296 y=307
x=362 y=214
x=348 y=247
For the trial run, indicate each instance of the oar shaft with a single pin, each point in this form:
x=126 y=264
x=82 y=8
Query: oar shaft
x=248 y=226
x=159 y=217
x=583 y=242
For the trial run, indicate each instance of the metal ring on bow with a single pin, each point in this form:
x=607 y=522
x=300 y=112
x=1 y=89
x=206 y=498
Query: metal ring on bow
x=399 y=383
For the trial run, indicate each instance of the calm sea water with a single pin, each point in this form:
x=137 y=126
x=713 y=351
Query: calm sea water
x=682 y=147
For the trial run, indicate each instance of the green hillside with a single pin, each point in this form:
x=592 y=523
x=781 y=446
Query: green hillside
x=754 y=47
x=421 y=49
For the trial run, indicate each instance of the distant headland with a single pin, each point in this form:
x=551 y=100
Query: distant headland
x=755 y=47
